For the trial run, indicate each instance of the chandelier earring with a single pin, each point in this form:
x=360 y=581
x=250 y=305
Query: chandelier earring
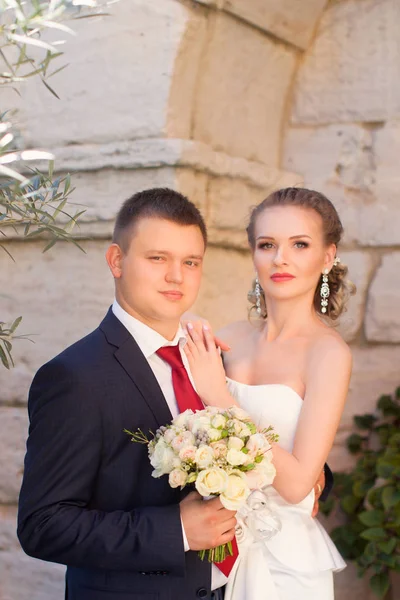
x=325 y=291
x=257 y=290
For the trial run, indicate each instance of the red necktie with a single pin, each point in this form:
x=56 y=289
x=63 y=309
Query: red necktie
x=188 y=398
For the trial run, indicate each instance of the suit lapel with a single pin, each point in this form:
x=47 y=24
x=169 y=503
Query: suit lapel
x=132 y=360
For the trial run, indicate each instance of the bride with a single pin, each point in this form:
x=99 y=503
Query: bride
x=291 y=369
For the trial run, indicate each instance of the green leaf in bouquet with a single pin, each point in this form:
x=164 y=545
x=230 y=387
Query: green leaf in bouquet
x=249 y=467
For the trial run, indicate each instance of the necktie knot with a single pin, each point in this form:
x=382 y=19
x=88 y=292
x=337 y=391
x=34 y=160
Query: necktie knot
x=171 y=355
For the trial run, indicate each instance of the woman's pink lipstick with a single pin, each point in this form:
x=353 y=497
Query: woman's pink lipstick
x=281 y=277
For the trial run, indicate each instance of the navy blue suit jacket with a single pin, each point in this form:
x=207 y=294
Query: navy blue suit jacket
x=88 y=499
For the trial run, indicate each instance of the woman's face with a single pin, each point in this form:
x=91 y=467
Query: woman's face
x=290 y=253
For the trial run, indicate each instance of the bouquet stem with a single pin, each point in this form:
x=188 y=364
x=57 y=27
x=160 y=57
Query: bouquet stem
x=218 y=554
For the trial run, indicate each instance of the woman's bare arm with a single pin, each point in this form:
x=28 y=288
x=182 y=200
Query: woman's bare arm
x=327 y=382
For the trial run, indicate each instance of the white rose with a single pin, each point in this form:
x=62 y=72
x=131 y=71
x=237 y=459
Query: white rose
x=163 y=459
x=235 y=426
x=169 y=435
x=211 y=481
x=214 y=434
x=182 y=419
x=214 y=410
x=220 y=448
x=236 y=457
x=239 y=413
x=236 y=491
x=183 y=439
x=244 y=431
x=219 y=421
x=235 y=442
x=187 y=453
x=177 y=478
x=258 y=444
x=269 y=470
x=202 y=423
x=260 y=477
x=204 y=456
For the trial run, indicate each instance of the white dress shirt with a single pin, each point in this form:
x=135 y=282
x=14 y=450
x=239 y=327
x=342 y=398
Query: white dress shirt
x=149 y=341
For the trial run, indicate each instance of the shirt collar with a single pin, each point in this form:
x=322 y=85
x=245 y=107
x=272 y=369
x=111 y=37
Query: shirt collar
x=148 y=340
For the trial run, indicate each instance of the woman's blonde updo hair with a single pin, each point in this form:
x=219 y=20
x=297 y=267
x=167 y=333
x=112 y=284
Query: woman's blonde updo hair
x=340 y=287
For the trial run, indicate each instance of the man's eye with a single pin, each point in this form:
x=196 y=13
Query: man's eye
x=155 y=258
x=192 y=263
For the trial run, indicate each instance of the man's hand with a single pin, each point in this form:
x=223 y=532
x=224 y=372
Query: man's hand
x=318 y=488
x=207 y=524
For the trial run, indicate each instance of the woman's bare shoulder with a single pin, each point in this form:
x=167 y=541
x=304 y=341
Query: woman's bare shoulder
x=236 y=331
x=328 y=345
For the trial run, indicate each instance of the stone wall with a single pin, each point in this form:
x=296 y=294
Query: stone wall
x=224 y=100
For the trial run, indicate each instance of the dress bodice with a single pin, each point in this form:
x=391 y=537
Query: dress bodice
x=302 y=544
x=270 y=404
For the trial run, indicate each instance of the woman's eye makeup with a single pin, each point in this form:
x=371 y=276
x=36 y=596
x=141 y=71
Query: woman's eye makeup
x=268 y=245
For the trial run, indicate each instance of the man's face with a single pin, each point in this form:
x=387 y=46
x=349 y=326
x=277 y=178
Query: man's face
x=158 y=277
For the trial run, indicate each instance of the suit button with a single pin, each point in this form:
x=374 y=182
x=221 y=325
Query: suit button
x=202 y=593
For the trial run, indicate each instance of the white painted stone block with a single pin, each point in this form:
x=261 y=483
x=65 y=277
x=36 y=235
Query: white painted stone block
x=290 y=20
x=383 y=313
x=13 y=434
x=360 y=267
x=351 y=71
x=62 y=295
x=245 y=77
x=375 y=372
x=117 y=84
x=22 y=577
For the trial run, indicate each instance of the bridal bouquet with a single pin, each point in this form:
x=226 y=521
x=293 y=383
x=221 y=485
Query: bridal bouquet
x=220 y=451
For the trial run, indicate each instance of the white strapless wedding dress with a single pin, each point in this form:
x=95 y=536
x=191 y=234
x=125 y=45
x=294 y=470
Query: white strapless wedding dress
x=298 y=561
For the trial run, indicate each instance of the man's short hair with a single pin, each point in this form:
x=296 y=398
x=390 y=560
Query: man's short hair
x=159 y=203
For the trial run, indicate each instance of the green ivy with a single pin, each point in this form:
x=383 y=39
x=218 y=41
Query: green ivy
x=369 y=496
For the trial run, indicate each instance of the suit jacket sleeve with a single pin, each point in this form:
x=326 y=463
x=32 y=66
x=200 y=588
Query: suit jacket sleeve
x=328 y=483
x=64 y=450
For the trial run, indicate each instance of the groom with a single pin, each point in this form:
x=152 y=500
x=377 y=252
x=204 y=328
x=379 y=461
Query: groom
x=88 y=499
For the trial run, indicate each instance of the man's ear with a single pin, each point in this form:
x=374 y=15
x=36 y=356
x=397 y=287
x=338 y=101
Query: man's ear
x=114 y=257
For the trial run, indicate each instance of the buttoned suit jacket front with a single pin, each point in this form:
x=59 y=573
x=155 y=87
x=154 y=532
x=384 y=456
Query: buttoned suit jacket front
x=88 y=499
